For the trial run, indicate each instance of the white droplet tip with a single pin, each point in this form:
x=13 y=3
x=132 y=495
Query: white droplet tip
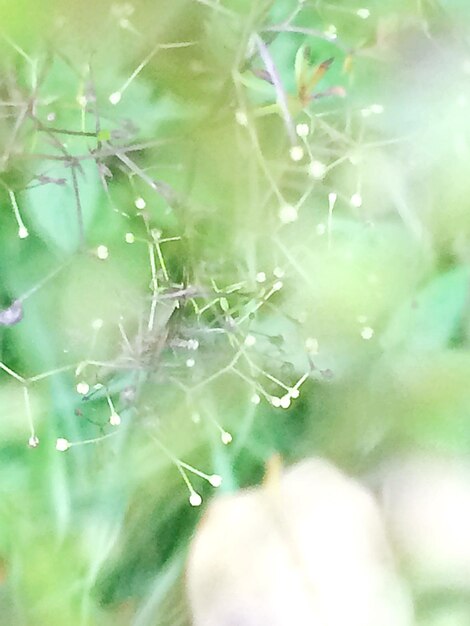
x=97 y=324
x=311 y=343
x=33 y=441
x=317 y=169
x=260 y=277
x=23 y=232
x=377 y=109
x=296 y=153
x=115 y=97
x=114 y=419
x=356 y=200
x=278 y=285
x=250 y=341
x=215 y=480
x=285 y=401
x=294 y=393
x=83 y=388
x=102 y=252
x=275 y=401
x=255 y=398
x=331 y=32
x=241 y=118
x=195 y=499
x=129 y=238
x=302 y=130
x=363 y=13
x=190 y=362
x=140 y=203
x=288 y=214
x=367 y=332
x=226 y=437
x=62 y=444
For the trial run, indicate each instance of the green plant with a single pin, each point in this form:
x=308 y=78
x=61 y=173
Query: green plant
x=189 y=285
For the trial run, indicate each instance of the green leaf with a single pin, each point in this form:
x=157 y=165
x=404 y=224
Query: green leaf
x=301 y=67
x=256 y=84
x=53 y=209
x=428 y=321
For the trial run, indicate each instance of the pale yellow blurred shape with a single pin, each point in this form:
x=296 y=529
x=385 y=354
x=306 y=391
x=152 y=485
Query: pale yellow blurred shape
x=310 y=551
x=427 y=502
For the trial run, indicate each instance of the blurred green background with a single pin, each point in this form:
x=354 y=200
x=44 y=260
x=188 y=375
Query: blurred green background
x=202 y=249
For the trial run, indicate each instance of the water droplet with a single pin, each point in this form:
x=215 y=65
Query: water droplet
x=215 y=480
x=288 y=214
x=97 y=324
x=312 y=345
x=250 y=341
x=102 y=252
x=331 y=32
x=376 y=109
x=367 y=332
x=115 y=97
x=114 y=419
x=285 y=401
x=302 y=130
x=356 y=200
x=195 y=499
x=62 y=444
x=226 y=437
x=296 y=153
x=317 y=169
x=83 y=388
x=363 y=13
x=332 y=197
x=241 y=118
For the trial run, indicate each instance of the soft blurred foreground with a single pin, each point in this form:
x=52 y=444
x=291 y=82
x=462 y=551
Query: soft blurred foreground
x=313 y=546
x=308 y=549
x=233 y=231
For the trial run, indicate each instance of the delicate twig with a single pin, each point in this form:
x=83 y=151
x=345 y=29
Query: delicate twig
x=280 y=91
x=312 y=32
